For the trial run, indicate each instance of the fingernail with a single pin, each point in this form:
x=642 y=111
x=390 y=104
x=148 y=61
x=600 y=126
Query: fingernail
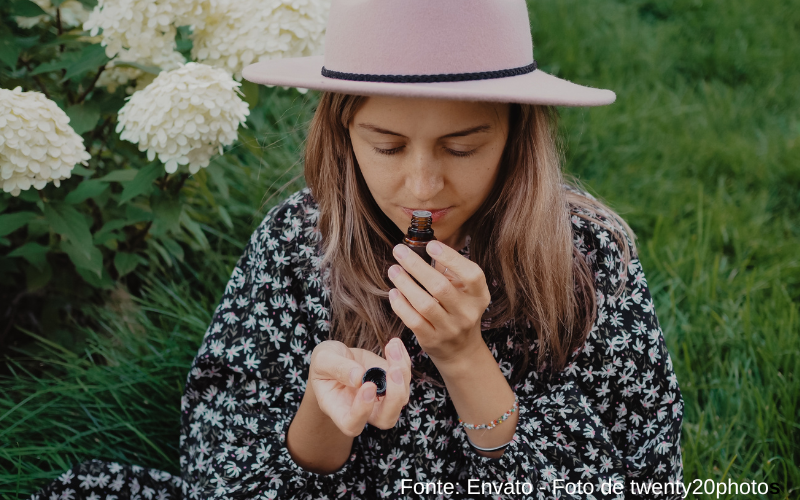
x=397 y=376
x=401 y=250
x=393 y=294
x=355 y=376
x=434 y=247
x=394 y=351
x=394 y=271
x=369 y=393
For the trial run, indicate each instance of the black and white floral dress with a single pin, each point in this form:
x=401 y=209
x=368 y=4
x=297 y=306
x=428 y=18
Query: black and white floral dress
x=613 y=414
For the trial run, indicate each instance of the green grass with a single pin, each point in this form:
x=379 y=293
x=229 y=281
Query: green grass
x=700 y=153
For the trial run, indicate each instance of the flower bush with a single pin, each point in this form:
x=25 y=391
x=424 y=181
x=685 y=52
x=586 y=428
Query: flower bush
x=119 y=119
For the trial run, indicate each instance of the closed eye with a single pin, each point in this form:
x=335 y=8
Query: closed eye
x=388 y=152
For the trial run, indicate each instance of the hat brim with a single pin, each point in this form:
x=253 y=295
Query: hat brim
x=536 y=87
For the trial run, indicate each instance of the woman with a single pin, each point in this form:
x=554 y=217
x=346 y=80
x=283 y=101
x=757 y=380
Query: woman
x=527 y=363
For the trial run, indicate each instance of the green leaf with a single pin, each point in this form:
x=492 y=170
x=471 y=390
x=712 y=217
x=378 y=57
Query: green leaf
x=136 y=214
x=86 y=189
x=26 y=42
x=57 y=64
x=34 y=253
x=173 y=247
x=91 y=57
x=125 y=175
x=91 y=260
x=66 y=39
x=26 y=8
x=166 y=212
x=31 y=195
x=79 y=170
x=9 y=51
x=113 y=225
x=126 y=262
x=153 y=70
x=161 y=251
x=36 y=278
x=250 y=91
x=108 y=228
x=104 y=281
x=195 y=229
x=142 y=183
x=218 y=176
x=69 y=223
x=226 y=218
x=11 y=222
x=109 y=104
x=83 y=117
x=108 y=239
x=184 y=45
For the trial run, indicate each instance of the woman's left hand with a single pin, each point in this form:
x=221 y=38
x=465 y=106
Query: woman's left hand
x=447 y=317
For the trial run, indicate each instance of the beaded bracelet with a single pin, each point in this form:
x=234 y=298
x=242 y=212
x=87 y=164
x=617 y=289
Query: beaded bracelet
x=493 y=423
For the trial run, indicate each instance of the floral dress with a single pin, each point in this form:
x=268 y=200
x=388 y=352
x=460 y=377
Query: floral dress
x=613 y=414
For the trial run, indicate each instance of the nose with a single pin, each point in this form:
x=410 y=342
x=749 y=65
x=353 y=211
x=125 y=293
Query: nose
x=424 y=177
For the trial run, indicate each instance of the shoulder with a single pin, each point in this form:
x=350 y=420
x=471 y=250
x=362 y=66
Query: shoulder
x=291 y=220
x=601 y=236
x=290 y=227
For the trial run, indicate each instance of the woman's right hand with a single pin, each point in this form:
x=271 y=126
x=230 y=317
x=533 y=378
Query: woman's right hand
x=335 y=375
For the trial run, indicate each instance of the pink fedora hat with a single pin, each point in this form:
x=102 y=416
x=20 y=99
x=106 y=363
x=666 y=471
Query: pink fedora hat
x=474 y=50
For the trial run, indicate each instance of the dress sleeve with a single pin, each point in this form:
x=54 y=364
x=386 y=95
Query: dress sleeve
x=249 y=375
x=614 y=414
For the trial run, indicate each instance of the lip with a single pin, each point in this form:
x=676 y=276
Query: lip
x=436 y=214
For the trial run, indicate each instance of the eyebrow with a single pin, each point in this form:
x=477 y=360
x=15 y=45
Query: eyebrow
x=460 y=133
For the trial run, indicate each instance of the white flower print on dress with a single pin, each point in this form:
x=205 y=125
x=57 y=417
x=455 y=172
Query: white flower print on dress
x=614 y=412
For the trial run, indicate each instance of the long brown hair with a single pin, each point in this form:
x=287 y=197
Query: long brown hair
x=521 y=237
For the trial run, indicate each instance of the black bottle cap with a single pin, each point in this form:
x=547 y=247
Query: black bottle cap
x=378 y=377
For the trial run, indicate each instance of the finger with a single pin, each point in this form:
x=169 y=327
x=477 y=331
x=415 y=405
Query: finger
x=368 y=359
x=438 y=286
x=410 y=316
x=334 y=366
x=398 y=379
x=459 y=268
x=399 y=364
x=425 y=303
x=351 y=417
x=397 y=356
x=433 y=282
x=451 y=276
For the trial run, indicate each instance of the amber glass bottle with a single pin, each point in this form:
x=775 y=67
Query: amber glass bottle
x=420 y=233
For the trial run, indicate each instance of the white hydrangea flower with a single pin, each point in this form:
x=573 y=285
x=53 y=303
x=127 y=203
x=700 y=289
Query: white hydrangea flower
x=184 y=116
x=235 y=33
x=114 y=76
x=37 y=145
x=142 y=30
x=73 y=13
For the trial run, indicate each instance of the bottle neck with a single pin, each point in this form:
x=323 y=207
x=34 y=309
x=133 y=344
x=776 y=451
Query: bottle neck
x=421 y=228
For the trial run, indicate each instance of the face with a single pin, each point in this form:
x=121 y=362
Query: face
x=425 y=154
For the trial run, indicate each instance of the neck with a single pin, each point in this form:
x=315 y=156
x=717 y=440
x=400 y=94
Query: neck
x=457 y=241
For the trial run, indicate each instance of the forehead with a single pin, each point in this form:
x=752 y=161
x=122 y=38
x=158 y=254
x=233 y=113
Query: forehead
x=391 y=112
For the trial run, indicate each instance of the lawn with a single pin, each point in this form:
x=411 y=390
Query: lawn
x=700 y=154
